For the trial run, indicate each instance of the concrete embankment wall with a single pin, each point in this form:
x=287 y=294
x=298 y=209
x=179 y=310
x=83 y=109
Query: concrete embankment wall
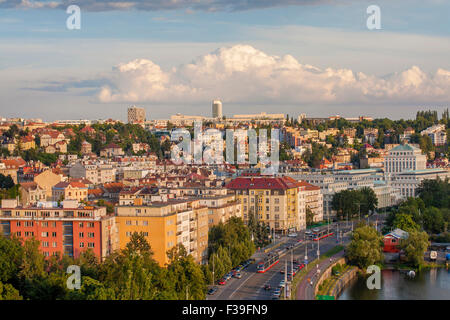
x=341 y=283
x=327 y=273
x=344 y=281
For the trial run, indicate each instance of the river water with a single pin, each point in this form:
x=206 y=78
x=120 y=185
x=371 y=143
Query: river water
x=430 y=284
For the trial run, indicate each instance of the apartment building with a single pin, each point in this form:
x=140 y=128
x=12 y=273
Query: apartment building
x=313 y=200
x=166 y=224
x=70 y=191
x=277 y=201
x=68 y=229
x=221 y=208
x=437 y=133
x=96 y=173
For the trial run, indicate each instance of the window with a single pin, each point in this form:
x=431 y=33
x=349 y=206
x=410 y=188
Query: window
x=81 y=244
x=54 y=244
x=81 y=234
x=128 y=222
x=81 y=224
x=145 y=223
x=90 y=234
x=18 y=224
x=45 y=244
x=53 y=234
x=44 y=234
x=91 y=244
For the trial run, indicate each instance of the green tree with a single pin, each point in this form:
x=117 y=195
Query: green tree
x=415 y=247
x=8 y=292
x=405 y=222
x=366 y=247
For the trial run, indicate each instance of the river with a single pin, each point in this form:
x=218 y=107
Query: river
x=430 y=284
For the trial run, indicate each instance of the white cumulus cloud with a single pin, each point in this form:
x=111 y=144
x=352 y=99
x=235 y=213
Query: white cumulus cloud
x=243 y=74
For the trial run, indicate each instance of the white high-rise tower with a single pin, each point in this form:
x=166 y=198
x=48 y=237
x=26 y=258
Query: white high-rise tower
x=217 y=109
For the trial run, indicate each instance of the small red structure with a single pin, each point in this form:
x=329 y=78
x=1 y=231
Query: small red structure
x=392 y=240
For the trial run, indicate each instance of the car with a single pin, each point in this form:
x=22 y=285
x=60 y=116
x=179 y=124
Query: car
x=239 y=269
x=267 y=287
x=282 y=284
x=282 y=271
x=276 y=292
x=238 y=275
x=292 y=235
x=308 y=232
x=212 y=290
x=315 y=230
x=222 y=281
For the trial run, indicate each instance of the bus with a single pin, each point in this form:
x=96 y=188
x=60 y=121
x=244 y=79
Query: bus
x=321 y=234
x=268 y=262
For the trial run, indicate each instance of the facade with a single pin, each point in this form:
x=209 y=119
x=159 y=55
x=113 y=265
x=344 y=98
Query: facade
x=46 y=180
x=221 y=208
x=86 y=148
x=217 y=109
x=408 y=182
x=276 y=201
x=96 y=173
x=404 y=157
x=165 y=225
x=392 y=240
x=313 y=200
x=31 y=193
x=437 y=133
x=136 y=115
x=68 y=229
x=70 y=191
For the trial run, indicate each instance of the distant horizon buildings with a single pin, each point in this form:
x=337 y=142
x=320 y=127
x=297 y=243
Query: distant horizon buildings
x=136 y=115
x=217 y=109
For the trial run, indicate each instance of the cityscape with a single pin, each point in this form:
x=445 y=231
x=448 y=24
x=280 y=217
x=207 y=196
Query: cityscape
x=254 y=172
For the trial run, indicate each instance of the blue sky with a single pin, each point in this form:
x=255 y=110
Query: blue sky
x=50 y=72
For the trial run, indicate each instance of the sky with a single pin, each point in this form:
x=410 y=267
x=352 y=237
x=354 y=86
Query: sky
x=175 y=56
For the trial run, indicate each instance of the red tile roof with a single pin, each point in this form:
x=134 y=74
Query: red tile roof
x=272 y=183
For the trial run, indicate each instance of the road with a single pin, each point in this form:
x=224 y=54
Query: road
x=251 y=285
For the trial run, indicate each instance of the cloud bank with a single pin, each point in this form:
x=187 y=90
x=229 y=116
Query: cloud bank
x=156 y=5
x=243 y=74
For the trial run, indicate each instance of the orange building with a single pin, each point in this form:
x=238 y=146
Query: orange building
x=69 y=229
x=166 y=224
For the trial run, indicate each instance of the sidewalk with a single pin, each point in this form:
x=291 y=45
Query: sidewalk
x=305 y=291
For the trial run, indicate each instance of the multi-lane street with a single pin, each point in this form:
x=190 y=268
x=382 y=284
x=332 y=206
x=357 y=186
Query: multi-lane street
x=251 y=285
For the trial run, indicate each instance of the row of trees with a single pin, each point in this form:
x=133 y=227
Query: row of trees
x=353 y=203
x=230 y=244
x=430 y=211
x=366 y=247
x=128 y=274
